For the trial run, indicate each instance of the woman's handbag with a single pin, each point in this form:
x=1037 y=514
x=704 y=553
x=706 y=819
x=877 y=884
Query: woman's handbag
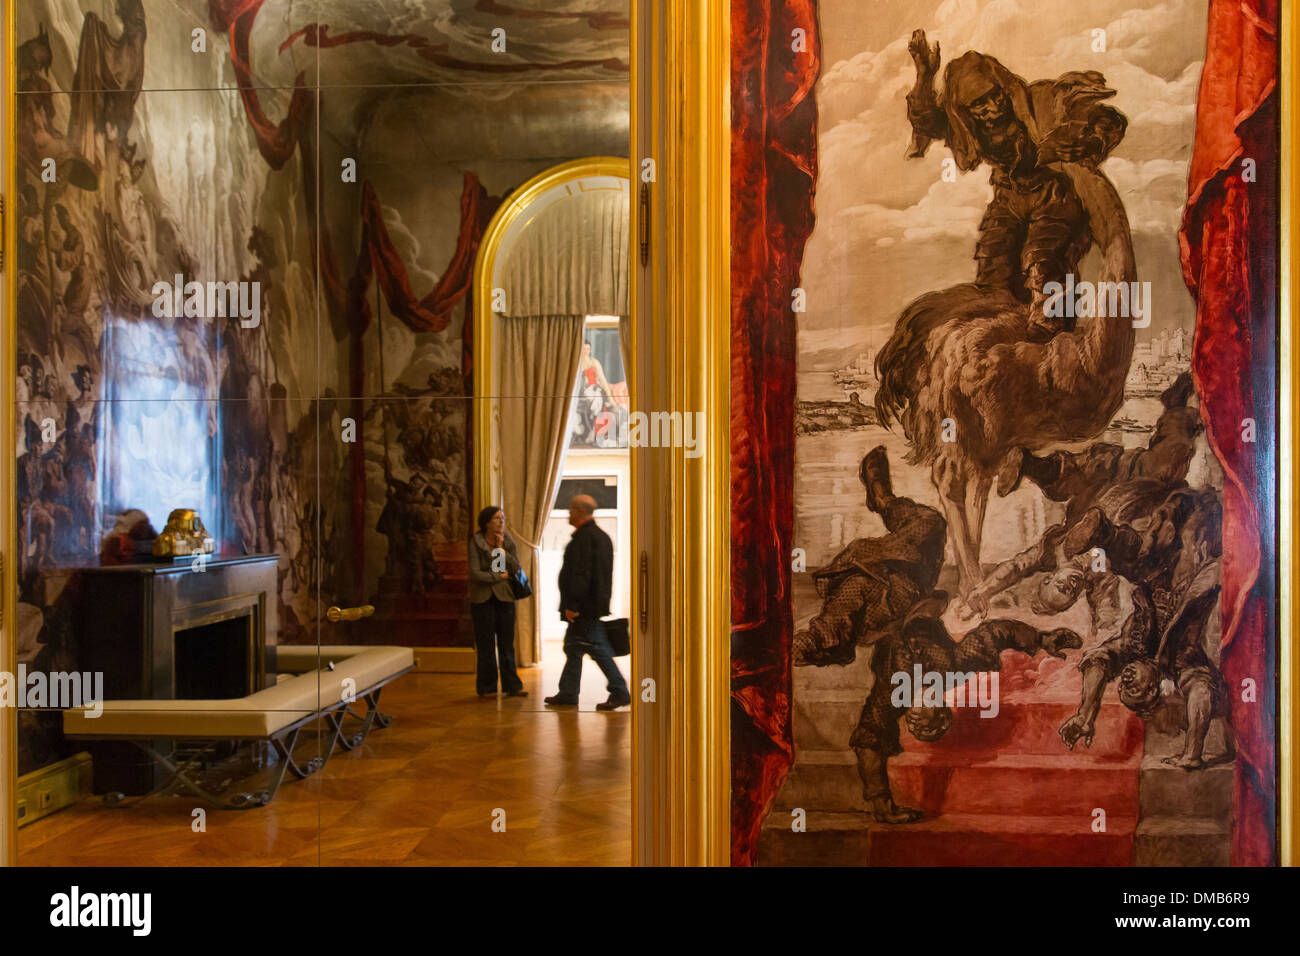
x=520 y=588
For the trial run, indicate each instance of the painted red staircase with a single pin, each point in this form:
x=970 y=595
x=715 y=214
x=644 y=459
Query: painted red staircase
x=995 y=791
x=438 y=618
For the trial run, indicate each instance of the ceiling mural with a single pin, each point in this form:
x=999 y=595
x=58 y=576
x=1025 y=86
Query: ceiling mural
x=424 y=41
x=450 y=41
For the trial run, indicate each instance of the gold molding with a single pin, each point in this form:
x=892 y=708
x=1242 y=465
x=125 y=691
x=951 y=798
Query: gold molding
x=681 y=326
x=1288 y=555
x=64 y=782
x=646 y=822
x=8 y=462
x=485 y=383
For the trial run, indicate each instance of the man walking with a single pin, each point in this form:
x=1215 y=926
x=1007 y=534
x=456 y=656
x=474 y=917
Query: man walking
x=586 y=577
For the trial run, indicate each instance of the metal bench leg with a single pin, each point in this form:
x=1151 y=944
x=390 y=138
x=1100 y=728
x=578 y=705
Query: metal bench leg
x=240 y=801
x=368 y=720
x=284 y=745
x=382 y=719
x=334 y=718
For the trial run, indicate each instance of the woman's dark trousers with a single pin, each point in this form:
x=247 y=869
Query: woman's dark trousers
x=494 y=638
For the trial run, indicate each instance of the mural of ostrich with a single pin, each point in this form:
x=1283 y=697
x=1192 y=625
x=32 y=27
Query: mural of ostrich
x=977 y=366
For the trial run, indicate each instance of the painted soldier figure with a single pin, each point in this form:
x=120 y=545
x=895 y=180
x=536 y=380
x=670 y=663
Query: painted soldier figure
x=1079 y=478
x=409 y=520
x=880 y=591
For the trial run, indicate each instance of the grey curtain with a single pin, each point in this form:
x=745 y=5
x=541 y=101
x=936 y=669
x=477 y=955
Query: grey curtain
x=571 y=258
x=539 y=364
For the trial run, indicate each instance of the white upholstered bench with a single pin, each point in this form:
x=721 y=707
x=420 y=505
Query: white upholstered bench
x=327 y=681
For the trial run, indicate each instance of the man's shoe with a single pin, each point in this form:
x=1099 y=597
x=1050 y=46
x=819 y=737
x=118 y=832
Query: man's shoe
x=1090 y=531
x=614 y=703
x=805 y=651
x=559 y=701
x=518 y=693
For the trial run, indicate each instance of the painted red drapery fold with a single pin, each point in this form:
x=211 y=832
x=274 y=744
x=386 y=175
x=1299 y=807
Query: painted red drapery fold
x=377 y=255
x=1229 y=252
x=275 y=141
x=775 y=62
x=431 y=313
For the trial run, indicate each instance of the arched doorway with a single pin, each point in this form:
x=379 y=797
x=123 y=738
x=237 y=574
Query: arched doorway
x=551 y=276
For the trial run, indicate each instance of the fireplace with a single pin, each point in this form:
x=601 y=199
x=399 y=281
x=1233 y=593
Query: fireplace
x=169 y=632
x=216 y=659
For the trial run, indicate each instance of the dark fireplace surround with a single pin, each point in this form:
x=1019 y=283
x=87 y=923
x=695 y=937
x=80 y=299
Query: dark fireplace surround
x=171 y=632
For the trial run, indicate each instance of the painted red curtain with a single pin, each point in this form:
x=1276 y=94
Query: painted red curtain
x=276 y=141
x=1229 y=252
x=775 y=61
x=376 y=256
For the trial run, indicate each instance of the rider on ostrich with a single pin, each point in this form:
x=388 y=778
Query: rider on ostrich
x=975 y=371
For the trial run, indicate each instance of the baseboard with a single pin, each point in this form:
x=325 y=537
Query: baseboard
x=445 y=660
x=52 y=788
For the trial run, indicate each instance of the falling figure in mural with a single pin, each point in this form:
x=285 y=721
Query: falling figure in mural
x=1172 y=558
x=880 y=591
x=978 y=370
x=79 y=434
x=1128 y=484
x=430 y=443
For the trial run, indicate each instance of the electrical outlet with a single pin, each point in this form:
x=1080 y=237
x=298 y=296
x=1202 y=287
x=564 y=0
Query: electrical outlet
x=44 y=798
x=22 y=809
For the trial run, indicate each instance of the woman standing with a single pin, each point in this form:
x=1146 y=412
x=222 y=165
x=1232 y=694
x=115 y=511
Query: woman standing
x=492 y=604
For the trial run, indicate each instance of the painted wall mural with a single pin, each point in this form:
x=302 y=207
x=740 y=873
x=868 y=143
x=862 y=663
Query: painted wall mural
x=1021 y=418
x=127 y=410
x=143 y=159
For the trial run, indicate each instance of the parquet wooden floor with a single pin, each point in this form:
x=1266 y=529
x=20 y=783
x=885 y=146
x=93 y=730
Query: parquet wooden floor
x=421 y=792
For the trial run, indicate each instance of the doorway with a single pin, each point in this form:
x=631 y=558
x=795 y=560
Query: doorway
x=550 y=383
x=596 y=464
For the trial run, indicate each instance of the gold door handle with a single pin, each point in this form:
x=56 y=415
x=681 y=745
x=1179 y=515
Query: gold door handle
x=336 y=613
x=643 y=224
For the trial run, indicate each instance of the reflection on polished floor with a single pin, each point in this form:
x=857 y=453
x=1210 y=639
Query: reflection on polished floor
x=419 y=793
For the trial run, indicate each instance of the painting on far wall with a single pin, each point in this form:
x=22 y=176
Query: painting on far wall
x=600 y=396
x=1007 y=401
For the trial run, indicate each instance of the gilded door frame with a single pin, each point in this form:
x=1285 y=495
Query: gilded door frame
x=8 y=463
x=1288 y=578
x=681 y=324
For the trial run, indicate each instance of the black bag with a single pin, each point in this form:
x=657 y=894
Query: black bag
x=520 y=588
x=616 y=631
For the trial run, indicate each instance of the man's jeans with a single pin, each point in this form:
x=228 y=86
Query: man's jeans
x=595 y=643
